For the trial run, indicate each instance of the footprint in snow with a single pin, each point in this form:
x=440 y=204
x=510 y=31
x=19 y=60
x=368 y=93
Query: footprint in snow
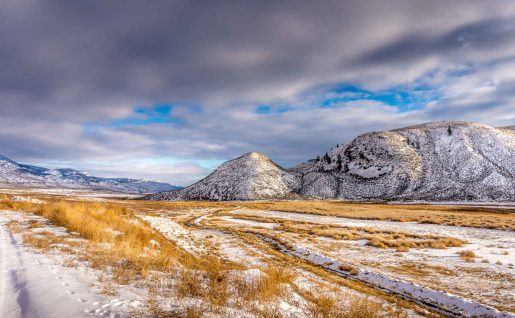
x=80 y=300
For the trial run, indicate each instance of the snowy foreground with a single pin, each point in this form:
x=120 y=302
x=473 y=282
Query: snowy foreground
x=418 y=282
x=38 y=285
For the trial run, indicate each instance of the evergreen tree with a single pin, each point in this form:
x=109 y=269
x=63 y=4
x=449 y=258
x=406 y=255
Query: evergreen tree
x=449 y=130
x=327 y=158
x=339 y=163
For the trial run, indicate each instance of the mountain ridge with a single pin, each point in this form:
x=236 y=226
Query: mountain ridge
x=435 y=161
x=14 y=173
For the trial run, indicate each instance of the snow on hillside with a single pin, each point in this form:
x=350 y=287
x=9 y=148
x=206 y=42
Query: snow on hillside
x=439 y=161
x=435 y=161
x=249 y=177
x=14 y=173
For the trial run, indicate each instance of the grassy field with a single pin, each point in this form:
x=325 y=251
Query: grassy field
x=130 y=251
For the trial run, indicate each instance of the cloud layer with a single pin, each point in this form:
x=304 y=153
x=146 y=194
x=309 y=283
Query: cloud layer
x=169 y=89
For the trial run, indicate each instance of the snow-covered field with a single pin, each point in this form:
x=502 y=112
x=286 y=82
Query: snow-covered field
x=173 y=231
x=492 y=245
x=489 y=278
x=83 y=194
x=53 y=282
x=36 y=284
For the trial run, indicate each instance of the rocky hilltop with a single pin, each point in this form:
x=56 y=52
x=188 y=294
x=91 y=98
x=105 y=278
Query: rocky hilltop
x=439 y=161
x=252 y=176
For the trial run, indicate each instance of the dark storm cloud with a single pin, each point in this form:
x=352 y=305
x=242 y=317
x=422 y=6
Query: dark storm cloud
x=466 y=39
x=72 y=74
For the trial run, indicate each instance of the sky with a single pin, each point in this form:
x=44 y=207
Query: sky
x=168 y=90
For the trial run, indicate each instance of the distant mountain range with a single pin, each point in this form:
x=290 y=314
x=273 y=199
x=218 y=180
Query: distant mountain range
x=439 y=161
x=13 y=173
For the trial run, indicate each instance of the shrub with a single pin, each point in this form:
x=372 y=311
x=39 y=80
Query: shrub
x=467 y=255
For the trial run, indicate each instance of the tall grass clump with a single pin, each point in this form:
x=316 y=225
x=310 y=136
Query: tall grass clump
x=125 y=242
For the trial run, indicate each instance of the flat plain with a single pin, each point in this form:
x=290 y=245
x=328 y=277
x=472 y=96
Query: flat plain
x=119 y=256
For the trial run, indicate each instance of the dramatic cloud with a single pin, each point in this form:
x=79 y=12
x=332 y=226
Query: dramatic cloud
x=169 y=89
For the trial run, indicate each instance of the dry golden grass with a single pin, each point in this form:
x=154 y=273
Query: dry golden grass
x=483 y=217
x=14 y=226
x=37 y=240
x=128 y=249
x=401 y=241
x=467 y=255
x=271 y=284
x=190 y=284
x=128 y=255
x=331 y=305
x=495 y=218
x=402 y=249
x=125 y=251
x=421 y=270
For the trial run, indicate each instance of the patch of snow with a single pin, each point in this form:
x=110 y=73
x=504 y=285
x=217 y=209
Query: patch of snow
x=173 y=231
x=484 y=242
x=27 y=199
x=250 y=222
x=35 y=285
x=440 y=301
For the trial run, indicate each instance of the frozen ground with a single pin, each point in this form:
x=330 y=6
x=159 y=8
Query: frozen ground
x=37 y=283
x=493 y=245
x=34 y=285
x=490 y=278
x=250 y=223
x=174 y=232
x=479 y=204
x=440 y=301
x=69 y=193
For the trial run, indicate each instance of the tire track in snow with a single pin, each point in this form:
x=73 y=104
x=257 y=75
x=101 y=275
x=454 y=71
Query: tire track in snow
x=444 y=303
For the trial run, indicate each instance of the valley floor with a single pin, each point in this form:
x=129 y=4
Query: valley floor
x=252 y=259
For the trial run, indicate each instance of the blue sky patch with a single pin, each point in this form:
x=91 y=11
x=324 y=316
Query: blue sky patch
x=158 y=114
x=263 y=109
x=276 y=109
x=404 y=98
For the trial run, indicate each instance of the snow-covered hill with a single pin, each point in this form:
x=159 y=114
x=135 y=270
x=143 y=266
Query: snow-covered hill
x=435 y=161
x=439 y=161
x=250 y=177
x=13 y=173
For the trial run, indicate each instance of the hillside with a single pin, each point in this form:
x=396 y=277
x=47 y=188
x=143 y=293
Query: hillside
x=439 y=161
x=252 y=176
x=435 y=161
x=13 y=173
